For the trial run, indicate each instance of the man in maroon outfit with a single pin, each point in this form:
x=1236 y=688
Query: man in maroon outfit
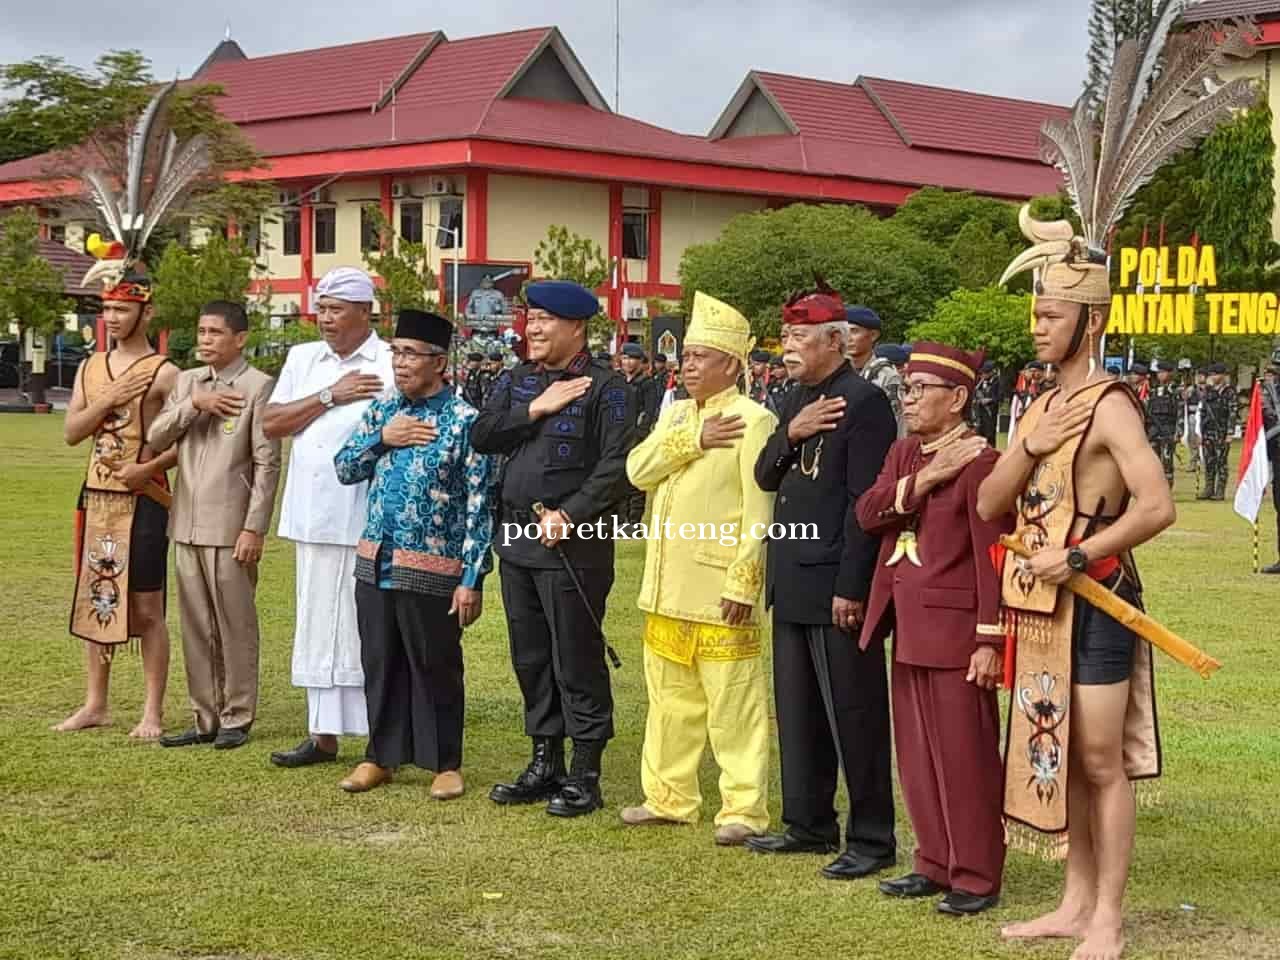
x=936 y=588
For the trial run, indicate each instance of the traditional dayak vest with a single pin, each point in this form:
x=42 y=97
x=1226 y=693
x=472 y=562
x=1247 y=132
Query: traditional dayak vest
x=100 y=608
x=1040 y=617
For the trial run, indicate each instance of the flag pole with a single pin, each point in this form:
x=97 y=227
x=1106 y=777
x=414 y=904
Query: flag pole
x=1257 y=564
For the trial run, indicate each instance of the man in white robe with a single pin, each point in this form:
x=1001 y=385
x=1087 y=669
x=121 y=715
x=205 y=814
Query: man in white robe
x=319 y=399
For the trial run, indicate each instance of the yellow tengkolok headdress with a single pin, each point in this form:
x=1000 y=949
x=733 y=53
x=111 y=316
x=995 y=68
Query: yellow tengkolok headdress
x=717 y=325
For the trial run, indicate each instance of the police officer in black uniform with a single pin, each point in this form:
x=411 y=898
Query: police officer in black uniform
x=832 y=697
x=1217 y=423
x=779 y=383
x=474 y=387
x=565 y=424
x=1164 y=417
x=986 y=403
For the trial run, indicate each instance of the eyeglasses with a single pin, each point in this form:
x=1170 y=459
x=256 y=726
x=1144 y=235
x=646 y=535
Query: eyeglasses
x=411 y=356
x=914 y=391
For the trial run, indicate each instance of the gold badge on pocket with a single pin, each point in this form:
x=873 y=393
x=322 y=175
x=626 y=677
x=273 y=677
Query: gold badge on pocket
x=229 y=426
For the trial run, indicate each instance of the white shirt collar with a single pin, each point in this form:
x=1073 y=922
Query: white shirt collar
x=368 y=349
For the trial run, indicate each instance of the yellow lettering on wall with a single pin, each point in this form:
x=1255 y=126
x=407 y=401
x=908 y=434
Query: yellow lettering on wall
x=1147 y=266
x=1128 y=264
x=1214 y=300
x=1186 y=266
x=1185 y=308
x=1166 y=280
x=1230 y=313
x=1267 y=303
x=1207 y=273
x=1164 y=317
x=1248 y=312
x=1116 y=323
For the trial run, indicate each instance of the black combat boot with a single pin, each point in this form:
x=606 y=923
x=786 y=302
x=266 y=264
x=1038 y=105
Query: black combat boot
x=581 y=791
x=540 y=780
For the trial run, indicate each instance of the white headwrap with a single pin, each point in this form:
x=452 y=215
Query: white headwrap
x=346 y=283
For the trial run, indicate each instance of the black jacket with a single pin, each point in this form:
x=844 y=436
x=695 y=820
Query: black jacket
x=841 y=561
x=574 y=460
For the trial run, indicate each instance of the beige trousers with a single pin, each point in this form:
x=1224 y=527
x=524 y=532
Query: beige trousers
x=219 y=635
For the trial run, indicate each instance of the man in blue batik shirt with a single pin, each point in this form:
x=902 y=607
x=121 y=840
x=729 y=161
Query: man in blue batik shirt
x=421 y=561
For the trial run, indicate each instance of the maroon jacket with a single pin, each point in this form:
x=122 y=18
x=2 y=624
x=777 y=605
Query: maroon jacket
x=939 y=612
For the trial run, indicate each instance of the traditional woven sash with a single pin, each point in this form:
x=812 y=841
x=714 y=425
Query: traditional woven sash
x=1041 y=619
x=99 y=607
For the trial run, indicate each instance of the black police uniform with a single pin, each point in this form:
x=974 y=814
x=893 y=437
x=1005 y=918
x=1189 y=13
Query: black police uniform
x=832 y=698
x=1217 y=421
x=645 y=401
x=986 y=407
x=575 y=461
x=476 y=388
x=1164 y=423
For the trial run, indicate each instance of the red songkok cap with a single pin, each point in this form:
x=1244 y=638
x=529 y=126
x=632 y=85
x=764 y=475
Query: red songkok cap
x=952 y=365
x=813 y=308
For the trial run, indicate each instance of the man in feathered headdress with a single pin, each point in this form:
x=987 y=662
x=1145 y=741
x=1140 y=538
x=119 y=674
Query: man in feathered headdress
x=1087 y=488
x=123 y=512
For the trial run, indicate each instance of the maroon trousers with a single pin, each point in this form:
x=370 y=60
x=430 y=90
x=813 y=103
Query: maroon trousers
x=948 y=743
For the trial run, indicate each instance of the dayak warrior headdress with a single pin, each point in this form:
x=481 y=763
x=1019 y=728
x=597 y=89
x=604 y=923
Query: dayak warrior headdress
x=1164 y=96
x=132 y=202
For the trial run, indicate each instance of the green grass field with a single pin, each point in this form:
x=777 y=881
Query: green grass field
x=113 y=849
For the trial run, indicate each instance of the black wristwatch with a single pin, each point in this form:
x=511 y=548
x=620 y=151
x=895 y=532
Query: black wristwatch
x=1077 y=560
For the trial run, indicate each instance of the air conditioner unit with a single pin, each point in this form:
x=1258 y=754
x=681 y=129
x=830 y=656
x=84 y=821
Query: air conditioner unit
x=283 y=198
x=399 y=190
x=637 y=311
x=440 y=186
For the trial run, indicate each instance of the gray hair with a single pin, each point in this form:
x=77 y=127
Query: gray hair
x=838 y=327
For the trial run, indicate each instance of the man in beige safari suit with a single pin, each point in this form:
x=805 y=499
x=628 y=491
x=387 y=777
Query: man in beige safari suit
x=227 y=474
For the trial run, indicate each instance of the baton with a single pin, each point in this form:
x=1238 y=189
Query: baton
x=538 y=511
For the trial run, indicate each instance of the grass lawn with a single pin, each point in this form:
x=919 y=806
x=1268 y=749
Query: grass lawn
x=113 y=849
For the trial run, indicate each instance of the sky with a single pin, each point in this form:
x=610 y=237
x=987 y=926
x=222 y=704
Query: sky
x=680 y=63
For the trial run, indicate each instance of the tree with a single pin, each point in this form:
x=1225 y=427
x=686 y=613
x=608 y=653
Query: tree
x=403 y=266
x=83 y=119
x=1111 y=22
x=31 y=288
x=565 y=255
x=990 y=318
x=185 y=279
x=761 y=258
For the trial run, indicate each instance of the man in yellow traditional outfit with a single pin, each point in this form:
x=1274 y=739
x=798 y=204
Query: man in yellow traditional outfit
x=703 y=577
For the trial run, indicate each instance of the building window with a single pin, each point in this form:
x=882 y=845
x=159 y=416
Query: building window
x=58 y=233
x=411 y=221
x=291 y=220
x=326 y=229
x=450 y=217
x=635 y=234
x=368 y=231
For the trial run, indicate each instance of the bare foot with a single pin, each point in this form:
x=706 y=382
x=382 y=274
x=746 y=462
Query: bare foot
x=1103 y=940
x=148 y=728
x=84 y=719
x=1065 y=922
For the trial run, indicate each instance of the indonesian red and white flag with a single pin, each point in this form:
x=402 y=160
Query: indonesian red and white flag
x=1255 y=469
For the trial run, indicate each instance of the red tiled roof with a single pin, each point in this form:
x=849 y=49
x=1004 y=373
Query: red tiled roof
x=71 y=264
x=319 y=101
x=309 y=82
x=1226 y=9
x=842 y=111
x=945 y=119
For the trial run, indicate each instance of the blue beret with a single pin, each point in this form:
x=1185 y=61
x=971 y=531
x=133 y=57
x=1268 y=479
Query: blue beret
x=562 y=298
x=863 y=317
x=987 y=366
x=1218 y=368
x=633 y=350
x=659 y=358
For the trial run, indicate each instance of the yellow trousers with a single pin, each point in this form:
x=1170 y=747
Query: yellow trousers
x=726 y=700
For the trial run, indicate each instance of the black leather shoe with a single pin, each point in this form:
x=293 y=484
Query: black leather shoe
x=957 y=903
x=303 y=755
x=855 y=866
x=1274 y=568
x=911 y=886
x=188 y=738
x=231 y=737
x=788 y=842
x=540 y=780
x=580 y=793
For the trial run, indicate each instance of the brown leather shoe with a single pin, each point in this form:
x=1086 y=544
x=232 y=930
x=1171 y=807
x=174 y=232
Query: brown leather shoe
x=734 y=834
x=366 y=776
x=643 y=817
x=447 y=785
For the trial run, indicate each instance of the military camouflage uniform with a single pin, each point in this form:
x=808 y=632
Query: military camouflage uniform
x=885 y=376
x=1217 y=422
x=1164 y=424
